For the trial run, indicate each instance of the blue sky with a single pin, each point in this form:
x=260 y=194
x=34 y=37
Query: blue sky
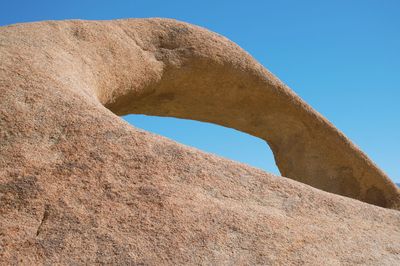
x=341 y=56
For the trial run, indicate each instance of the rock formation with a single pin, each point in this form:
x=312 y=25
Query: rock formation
x=78 y=185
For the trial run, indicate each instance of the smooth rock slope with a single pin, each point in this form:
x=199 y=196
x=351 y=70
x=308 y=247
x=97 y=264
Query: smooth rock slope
x=80 y=186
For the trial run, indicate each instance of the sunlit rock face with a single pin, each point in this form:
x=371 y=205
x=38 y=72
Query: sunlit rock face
x=79 y=185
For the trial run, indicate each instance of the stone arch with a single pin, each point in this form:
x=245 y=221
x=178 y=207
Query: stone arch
x=164 y=67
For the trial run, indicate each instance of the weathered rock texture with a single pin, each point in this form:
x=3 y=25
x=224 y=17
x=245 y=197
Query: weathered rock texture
x=79 y=185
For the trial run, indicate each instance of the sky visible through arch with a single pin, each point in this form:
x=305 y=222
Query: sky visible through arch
x=223 y=141
x=342 y=57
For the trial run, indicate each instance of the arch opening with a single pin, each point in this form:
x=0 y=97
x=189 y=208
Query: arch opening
x=219 y=140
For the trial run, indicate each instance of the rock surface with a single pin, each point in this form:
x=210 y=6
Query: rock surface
x=78 y=185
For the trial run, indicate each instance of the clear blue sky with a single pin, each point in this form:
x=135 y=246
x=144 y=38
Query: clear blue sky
x=342 y=57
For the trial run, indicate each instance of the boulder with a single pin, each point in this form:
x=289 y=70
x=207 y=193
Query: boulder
x=78 y=185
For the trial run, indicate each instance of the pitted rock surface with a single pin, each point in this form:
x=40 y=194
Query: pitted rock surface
x=78 y=185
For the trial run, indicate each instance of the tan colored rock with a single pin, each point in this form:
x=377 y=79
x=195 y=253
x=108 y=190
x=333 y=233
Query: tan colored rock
x=80 y=186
